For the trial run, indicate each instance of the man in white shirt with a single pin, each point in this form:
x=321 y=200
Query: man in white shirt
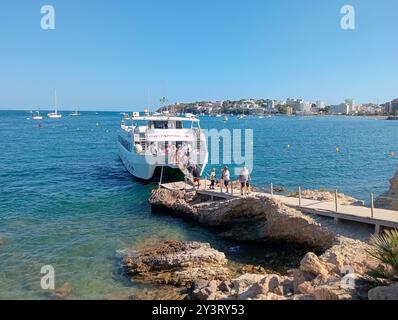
x=244 y=178
x=227 y=178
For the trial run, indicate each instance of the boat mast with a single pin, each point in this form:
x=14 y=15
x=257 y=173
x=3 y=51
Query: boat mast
x=56 y=103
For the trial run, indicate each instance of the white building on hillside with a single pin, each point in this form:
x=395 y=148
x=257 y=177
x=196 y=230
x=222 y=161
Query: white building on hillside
x=320 y=105
x=342 y=108
x=351 y=105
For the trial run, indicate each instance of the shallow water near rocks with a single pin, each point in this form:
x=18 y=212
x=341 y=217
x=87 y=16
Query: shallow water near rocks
x=66 y=199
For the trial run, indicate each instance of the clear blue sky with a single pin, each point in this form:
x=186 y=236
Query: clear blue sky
x=110 y=54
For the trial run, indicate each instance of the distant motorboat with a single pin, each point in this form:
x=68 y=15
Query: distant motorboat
x=55 y=114
x=219 y=116
x=75 y=113
x=242 y=116
x=37 y=116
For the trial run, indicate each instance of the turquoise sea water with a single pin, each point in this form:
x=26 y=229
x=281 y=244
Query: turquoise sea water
x=66 y=199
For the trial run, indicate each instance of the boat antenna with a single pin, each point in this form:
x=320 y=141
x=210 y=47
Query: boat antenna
x=163 y=102
x=148 y=94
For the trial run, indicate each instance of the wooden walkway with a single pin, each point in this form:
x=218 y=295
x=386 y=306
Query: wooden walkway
x=380 y=218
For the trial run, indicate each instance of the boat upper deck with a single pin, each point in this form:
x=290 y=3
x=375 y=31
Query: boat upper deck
x=164 y=118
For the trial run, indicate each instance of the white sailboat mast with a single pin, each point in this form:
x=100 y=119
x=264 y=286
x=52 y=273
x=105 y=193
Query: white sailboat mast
x=56 y=102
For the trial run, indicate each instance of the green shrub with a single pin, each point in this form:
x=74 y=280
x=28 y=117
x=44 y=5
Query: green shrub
x=385 y=249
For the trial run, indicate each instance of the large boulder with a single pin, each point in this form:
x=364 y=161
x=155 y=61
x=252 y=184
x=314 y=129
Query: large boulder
x=245 y=281
x=333 y=292
x=349 y=255
x=254 y=218
x=389 y=200
x=268 y=284
x=300 y=277
x=384 y=293
x=176 y=263
x=207 y=292
x=312 y=264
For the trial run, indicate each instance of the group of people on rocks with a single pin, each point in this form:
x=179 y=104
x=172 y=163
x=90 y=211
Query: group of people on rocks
x=181 y=154
x=225 y=180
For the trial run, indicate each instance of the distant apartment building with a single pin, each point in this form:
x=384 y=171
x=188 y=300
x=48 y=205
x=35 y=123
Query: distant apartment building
x=257 y=111
x=394 y=105
x=302 y=106
x=320 y=105
x=387 y=107
x=270 y=104
x=342 y=108
x=351 y=105
x=249 y=104
x=391 y=107
x=299 y=105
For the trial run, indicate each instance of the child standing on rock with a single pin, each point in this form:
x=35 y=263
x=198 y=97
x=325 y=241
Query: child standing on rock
x=213 y=179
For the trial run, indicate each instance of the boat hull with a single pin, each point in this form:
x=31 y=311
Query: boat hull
x=54 y=116
x=136 y=165
x=144 y=167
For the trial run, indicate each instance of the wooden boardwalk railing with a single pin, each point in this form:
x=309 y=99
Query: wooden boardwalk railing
x=380 y=218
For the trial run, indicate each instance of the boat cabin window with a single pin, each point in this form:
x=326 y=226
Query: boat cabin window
x=139 y=123
x=162 y=124
x=159 y=125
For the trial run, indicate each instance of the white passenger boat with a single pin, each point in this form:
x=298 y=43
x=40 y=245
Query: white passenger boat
x=147 y=142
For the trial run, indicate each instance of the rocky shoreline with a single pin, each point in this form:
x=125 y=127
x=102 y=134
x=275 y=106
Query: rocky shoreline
x=256 y=218
x=202 y=271
x=339 y=273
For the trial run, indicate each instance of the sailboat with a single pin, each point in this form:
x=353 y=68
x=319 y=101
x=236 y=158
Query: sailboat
x=75 y=113
x=55 y=115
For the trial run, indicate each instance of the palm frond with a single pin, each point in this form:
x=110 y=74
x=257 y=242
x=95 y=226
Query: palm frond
x=385 y=249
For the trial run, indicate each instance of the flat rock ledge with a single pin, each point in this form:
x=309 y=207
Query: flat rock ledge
x=255 y=218
x=176 y=263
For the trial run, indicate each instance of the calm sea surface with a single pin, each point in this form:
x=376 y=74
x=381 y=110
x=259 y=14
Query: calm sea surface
x=66 y=199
